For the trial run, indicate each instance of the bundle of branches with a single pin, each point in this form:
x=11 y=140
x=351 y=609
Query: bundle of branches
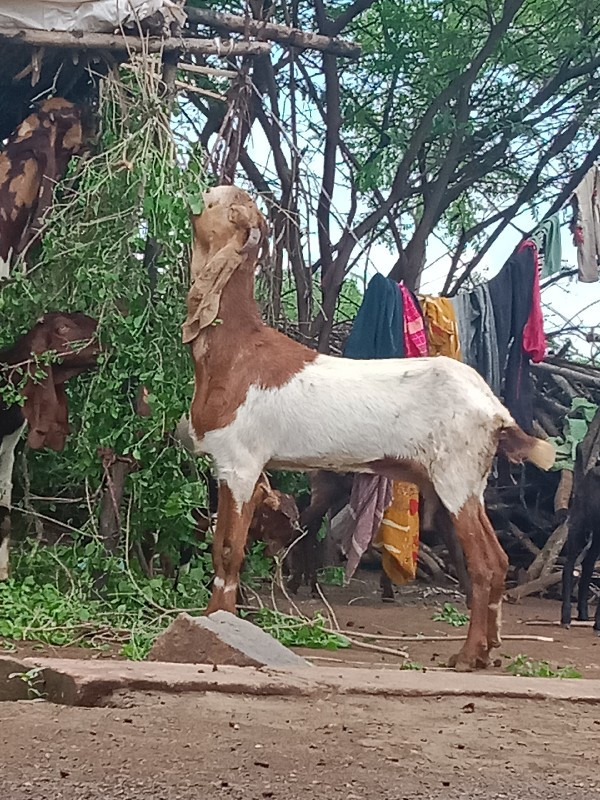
x=529 y=508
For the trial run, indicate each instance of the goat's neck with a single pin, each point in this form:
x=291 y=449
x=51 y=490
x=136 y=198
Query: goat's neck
x=238 y=310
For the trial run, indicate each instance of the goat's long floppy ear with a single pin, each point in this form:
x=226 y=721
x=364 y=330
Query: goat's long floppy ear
x=41 y=409
x=59 y=426
x=204 y=295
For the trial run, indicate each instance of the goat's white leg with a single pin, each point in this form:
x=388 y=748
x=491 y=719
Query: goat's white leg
x=473 y=538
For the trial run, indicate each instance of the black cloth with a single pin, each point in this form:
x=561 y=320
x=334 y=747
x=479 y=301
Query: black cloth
x=378 y=331
x=511 y=292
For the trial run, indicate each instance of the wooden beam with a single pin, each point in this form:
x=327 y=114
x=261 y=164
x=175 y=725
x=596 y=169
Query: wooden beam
x=133 y=44
x=292 y=37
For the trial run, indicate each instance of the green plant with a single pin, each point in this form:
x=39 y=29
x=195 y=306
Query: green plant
x=575 y=429
x=525 y=667
x=298 y=631
x=451 y=615
x=332 y=576
x=34 y=680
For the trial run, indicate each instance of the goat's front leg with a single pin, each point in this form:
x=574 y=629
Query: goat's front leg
x=229 y=542
x=472 y=536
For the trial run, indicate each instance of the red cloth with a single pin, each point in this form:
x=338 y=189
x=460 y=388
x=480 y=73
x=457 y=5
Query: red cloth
x=534 y=340
x=415 y=336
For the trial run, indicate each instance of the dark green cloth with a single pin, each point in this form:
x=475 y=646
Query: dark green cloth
x=547 y=239
x=377 y=331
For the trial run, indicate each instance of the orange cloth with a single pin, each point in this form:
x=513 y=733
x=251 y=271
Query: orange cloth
x=398 y=534
x=442 y=330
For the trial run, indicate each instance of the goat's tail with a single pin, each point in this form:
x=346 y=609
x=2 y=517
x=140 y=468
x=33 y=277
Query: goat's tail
x=519 y=446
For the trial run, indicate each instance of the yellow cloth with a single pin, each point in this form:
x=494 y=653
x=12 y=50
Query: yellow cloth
x=398 y=534
x=442 y=330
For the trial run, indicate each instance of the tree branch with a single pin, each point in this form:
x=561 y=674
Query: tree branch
x=292 y=37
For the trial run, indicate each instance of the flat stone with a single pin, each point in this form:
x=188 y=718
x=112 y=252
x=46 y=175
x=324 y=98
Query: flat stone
x=221 y=638
x=13 y=686
x=91 y=683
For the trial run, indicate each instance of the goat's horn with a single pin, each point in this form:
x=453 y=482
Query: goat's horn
x=252 y=241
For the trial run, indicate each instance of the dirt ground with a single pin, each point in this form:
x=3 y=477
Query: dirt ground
x=221 y=746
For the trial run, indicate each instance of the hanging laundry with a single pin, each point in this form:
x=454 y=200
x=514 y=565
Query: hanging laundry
x=377 y=328
x=442 y=330
x=415 y=337
x=357 y=523
x=398 y=534
x=547 y=240
x=477 y=334
x=586 y=225
x=512 y=292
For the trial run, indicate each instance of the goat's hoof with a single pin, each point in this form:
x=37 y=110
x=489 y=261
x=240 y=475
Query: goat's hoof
x=388 y=598
x=465 y=661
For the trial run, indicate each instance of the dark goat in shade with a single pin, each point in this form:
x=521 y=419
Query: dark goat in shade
x=584 y=528
x=72 y=338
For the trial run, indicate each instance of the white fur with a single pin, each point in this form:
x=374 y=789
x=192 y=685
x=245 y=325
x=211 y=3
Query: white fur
x=8 y=445
x=341 y=414
x=7 y=462
x=4 y=558
x=219 y=583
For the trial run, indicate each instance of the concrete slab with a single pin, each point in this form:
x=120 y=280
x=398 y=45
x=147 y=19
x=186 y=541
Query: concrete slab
x=221 y=638
x=89 y=683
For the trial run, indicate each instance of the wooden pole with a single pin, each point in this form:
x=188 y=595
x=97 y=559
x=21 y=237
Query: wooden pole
x=133 y=44
x=292 y=37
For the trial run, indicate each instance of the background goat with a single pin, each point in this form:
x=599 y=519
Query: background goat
x=329 y=493
x=584 y=526
x=34 y=159
x=72 y=338
x=262 y=401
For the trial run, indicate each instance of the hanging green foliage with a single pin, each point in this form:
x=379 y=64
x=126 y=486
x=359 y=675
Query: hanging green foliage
x=575 y=429
x=116 y=247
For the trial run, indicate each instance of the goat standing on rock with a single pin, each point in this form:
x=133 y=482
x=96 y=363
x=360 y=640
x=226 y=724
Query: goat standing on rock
x=262 y=401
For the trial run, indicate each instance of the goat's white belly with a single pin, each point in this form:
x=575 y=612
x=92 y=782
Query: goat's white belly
x=342 y=414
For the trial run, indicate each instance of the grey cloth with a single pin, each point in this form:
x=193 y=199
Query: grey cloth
x=586 y=228
x=461 y=303
x=477 y=334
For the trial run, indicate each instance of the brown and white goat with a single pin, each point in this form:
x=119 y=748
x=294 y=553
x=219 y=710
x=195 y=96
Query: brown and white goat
x=262 y=400
x=72 y=338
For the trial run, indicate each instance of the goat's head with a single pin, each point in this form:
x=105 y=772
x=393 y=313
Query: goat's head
x=230 y=216
x=68 y=126
x=72 y=338
x=228 y=236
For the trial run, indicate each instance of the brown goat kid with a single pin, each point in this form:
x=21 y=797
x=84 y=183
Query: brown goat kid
x=263 y=401
x=72 y=340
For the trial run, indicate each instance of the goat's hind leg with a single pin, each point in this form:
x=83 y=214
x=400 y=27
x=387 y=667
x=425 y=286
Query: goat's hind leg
x=473 y=538
x=498 y=564
x=587 y=570
x=576 y=541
